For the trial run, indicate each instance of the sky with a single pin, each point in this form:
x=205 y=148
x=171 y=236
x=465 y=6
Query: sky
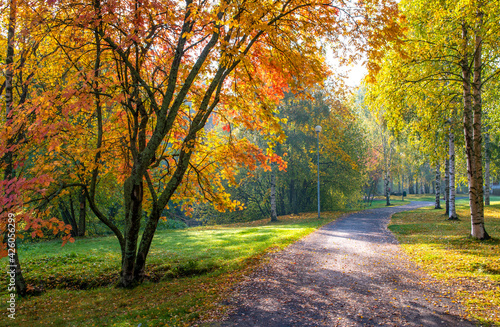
x=355 y=73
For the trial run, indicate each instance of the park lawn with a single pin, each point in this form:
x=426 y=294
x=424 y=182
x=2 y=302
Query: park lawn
x=190 y=271
x=379 y=202
x=444 y=250
x=431 y=197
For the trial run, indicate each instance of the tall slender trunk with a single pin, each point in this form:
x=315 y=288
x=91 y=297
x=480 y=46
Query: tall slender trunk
x=274 y=216
x=293 y=197
x=410 y=184
x=399 y=184
x=82 y=213
x=387 y=190
x=472 y=131
x=452 y=213
x=437 y=204
x=487 y=157
x=422 y=184
x=477 y=220
x=447 y=184
x=402 y=187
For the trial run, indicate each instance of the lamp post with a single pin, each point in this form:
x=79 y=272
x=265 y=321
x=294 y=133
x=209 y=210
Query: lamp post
x=318 y=130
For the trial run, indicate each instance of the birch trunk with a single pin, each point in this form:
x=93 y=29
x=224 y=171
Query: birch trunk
x=437 y=204
x=452 y=213
x=447 y=185
x=472 y=131
x=487 y=157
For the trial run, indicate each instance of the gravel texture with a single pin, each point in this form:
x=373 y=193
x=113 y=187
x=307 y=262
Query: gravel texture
x=351 y=272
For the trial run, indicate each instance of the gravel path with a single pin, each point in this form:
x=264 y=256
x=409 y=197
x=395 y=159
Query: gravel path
x=349 y=273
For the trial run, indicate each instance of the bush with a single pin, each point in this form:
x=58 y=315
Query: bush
x=171 y=224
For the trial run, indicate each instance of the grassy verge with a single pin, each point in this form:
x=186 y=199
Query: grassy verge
x=190 y=271
x=444 y=249
x=379 y=202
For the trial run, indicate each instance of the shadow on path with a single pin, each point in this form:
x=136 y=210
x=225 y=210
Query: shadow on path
x=349 y=273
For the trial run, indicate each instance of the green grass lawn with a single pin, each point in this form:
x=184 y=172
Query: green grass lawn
x=444 y=249
x=189 y=272
x=380 y=202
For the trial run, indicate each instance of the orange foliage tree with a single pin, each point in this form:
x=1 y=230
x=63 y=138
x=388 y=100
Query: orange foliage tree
x=137 y=82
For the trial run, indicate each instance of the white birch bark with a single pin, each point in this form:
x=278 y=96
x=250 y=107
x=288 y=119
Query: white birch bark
x=487 y=156
x=437 y=188
x=447 y=184
x=452 y=214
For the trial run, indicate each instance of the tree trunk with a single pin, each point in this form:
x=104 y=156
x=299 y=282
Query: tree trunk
x=82 y=214
x=487 y=157
x=274 y=216
x=402 y=187
x=422 y=184
x=133 y=191
x=437 y=204
x=447 y=185
x=68 y=219
x=293 y=197
x=410 y=184
x=472 y=131
x=452 y=213
x=387 y=190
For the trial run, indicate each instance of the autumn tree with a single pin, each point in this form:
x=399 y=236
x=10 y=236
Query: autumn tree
x=18 y=187
x=138 y=81
x=450 y=58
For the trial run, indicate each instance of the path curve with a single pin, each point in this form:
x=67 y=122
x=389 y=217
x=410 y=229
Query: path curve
x=351 y=272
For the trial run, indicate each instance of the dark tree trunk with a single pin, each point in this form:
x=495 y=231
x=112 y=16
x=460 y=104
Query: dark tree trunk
x=68 y=219
x=274 y=216
x=293 y=197
x=82 y=225
x=133 y=190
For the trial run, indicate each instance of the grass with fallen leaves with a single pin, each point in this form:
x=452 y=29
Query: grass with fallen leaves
x=190 y=271
x=444 y=249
